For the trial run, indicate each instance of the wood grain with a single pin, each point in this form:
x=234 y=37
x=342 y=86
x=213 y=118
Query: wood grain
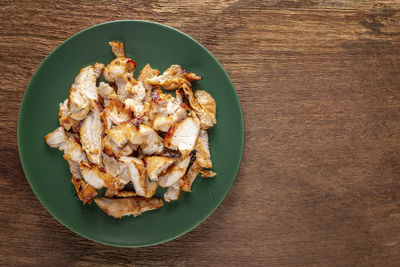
x=319 y=85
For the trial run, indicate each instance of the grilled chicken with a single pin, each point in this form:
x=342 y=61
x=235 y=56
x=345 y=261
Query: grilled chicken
x=187 y=181
x=117 y=48
x=91 y=133
x=112 y=149
x=207 y=103
x=120 y=71
x=85 y=192
x=134 y=169
x=156 y=165
x=64 y=116
x=176 y=172
x=97 y=176
x=207 y=174
x=134 y=134
x=73 y=152
x=114 y=113
x=147 y=73
x=207 y=119
x=106 y=91
x=112 y=192
x=172 y=192
x=183 y=135
x=203 y=150
x=151 y=188
x=173 y=78
x=127 y=206
x=85 y=82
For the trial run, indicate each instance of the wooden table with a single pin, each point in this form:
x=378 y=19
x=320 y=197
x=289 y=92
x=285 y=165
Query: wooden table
x=319 y=85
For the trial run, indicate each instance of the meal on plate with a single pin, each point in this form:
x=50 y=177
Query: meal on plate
x=127 y=135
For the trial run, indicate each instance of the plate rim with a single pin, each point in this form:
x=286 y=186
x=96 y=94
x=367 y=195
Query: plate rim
x=25 y=168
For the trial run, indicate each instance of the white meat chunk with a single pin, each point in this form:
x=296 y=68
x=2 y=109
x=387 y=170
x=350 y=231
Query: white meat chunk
x=91 y=133
x=97 y=176
x=183 y=135
x=206 y=117
x=134 y=169
x=174 y=173
x=148 y=139
x=127 y=206
x=187 y=181
x=203 y=150
x=73 y=152
x=85 y=82
x=106 y=91
x=172 y=192
x=156 y=165
x=112 y=149
x=173 y=78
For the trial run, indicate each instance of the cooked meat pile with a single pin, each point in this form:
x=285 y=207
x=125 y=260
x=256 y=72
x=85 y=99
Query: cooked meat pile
x=130 y=137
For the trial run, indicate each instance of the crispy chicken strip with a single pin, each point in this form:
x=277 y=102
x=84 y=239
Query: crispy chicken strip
x=134 y=169
x=187 y=181
x=203 y=150
x=91 y=133
x=176 y=172
x=127 y=206
x=173 y=78
x=183 y=135
x=97 y=176
x=85 y=192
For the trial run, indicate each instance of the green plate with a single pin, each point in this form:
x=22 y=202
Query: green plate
x=48 y=173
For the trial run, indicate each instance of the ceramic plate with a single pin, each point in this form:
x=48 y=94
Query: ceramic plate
x=48 y=173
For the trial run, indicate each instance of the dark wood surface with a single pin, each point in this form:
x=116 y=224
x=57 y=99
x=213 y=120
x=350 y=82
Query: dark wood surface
x=319 y=85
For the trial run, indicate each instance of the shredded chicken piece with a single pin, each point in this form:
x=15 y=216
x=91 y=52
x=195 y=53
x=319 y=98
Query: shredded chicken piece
x=112 y=192
x=85 y=192
x=112 y=149
x=187 y=181
x=206 y=118
x=173 y=78
x=176 y=172
x=117 y=49
x=106 y=91
x=156 y=165
x=183 y=135
x=151 y=188
x=120 y=71
x=91 y=133
x=127 y=206
x=73 y=152
x=134 y=169
x=208 y=174
x=97 y=176
x=172 y=192
x=147 y=73
x=203 y=150
x=114 y=113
